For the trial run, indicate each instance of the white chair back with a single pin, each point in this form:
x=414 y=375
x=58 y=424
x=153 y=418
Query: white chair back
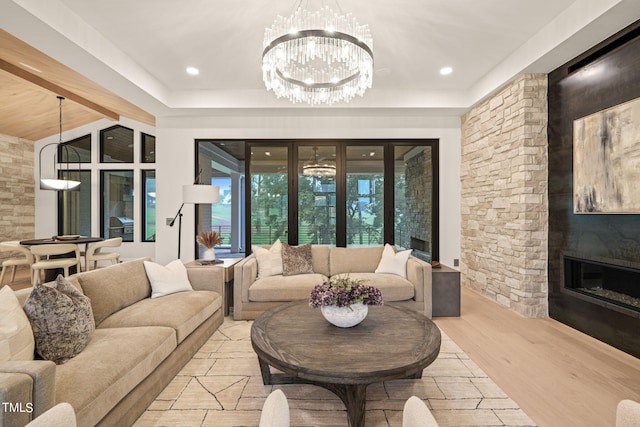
x=20 y=256
x=417 y=414
x=94 y=253
x=628 y=413
x=61 y=415
x=43 y=261
x=42 y=251
x=275 y=411
x=16 y=247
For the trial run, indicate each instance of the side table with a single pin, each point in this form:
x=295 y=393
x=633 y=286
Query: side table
x=226 y=266
x=446 y=291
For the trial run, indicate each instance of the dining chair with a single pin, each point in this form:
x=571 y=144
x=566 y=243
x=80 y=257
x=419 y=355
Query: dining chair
x=21 y=255
x=417 y=414
x=94 y=252
x=275 y=411
x=628 y=413
x=49 y=257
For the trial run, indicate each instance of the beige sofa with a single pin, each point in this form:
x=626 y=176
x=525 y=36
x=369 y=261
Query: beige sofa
x=138 y=346
x=252 y=295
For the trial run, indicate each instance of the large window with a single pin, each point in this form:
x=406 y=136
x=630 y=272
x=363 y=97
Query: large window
x=221 y=163
x=148 y=148
x=365 y=195
x=103 y=204
x=317 y=195
x=415 y=201
x=116 y=145
x=78 y=150
x=74 y=207
x=269 y=194
x=344 y=193
x=149 y=205
x=117 y=204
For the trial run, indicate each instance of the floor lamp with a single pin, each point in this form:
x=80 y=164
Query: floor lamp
x=196 y=194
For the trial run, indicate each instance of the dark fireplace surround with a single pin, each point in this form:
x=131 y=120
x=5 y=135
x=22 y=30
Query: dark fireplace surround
x=594 y=259
x=604 y=282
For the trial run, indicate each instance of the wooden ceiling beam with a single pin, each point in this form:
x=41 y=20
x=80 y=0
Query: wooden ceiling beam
x=45 y=84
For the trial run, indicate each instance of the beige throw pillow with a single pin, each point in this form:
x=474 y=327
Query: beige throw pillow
x=16 y=336
x=169 y=279
x=269 y=260
x=392 y=262
x=61 y=319
x=296 y=260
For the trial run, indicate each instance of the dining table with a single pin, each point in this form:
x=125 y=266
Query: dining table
x=51 y=275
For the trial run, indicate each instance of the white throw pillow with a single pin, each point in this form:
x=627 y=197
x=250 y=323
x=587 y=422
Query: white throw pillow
x=16 y=336
x=392 y=262
x=167 y=279
x=269 y=260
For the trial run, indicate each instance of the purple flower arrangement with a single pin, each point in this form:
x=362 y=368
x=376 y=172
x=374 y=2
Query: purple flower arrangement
x=342 y=291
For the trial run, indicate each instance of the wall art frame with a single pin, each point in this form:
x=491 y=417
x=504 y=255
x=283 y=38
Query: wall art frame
x=606 y=161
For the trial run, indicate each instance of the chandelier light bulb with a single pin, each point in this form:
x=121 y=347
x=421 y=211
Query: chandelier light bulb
x=319 y=57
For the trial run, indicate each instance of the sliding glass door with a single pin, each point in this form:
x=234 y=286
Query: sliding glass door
x=269 y=192
x=317 y=195
x=344 y=193
x=365 y=195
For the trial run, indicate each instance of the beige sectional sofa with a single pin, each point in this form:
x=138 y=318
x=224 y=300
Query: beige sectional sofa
x=138 y=346
x=252 y=295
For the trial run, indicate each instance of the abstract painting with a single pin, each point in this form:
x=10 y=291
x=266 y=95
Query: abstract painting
x=606 y=161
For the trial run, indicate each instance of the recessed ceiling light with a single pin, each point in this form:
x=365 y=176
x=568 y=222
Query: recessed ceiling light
x=193 y=71
x=267 y=153
x=445 y=71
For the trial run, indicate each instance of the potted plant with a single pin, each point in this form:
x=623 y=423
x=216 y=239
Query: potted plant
x=209 y=239
x=344 y=301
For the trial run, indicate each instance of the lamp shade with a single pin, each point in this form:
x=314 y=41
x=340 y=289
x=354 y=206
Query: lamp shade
x=58 y=184
x=200 y=194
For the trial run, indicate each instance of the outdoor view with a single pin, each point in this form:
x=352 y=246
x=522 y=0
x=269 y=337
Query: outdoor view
x=317 y=195
x=269 y=195
x=221 y=212
x=365 y=195
x=340 y=189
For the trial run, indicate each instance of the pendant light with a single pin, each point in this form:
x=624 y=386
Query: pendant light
x=58 y=184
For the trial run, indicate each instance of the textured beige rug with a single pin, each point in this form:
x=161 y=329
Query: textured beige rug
x=222 y=387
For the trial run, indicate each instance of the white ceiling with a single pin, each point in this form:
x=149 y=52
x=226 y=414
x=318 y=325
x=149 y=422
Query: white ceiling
x=139 y=49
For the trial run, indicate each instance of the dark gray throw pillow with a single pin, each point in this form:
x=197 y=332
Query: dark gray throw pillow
x=61 y=319
x=296 y=259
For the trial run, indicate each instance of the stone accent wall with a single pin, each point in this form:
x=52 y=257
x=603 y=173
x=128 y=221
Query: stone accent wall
x=504 y=196
x=17 y=189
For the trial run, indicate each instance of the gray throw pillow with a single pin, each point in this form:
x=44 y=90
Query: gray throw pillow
x=61 y=319
x=296 y=259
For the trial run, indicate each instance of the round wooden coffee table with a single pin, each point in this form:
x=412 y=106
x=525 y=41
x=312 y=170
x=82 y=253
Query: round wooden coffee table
x=392 y=342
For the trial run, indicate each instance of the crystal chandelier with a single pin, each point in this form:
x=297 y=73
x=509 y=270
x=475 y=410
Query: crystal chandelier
x=314 y=168
x=319 y=57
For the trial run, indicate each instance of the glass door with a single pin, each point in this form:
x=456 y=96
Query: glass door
x=317 y=195
x=414 y=194
x=269 y=194
x=365 y=195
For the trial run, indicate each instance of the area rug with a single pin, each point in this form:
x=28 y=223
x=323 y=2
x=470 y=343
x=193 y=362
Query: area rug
x=222 y=387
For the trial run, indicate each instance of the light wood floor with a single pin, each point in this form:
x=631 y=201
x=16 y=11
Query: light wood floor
x=560 y=377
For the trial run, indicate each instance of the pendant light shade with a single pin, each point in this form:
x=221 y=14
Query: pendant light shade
x=58 y=184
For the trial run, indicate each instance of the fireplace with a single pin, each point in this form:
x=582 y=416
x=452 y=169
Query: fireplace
x=420 y=249
x=613 y=286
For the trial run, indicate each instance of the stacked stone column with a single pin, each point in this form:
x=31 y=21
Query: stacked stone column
x=504 y=230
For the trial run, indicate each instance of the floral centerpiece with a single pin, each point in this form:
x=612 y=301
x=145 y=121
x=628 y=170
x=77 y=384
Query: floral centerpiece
x=209 y=239
x=344 y=301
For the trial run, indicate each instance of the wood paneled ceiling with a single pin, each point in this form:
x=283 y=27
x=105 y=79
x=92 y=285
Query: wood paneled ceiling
x=30 y=82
